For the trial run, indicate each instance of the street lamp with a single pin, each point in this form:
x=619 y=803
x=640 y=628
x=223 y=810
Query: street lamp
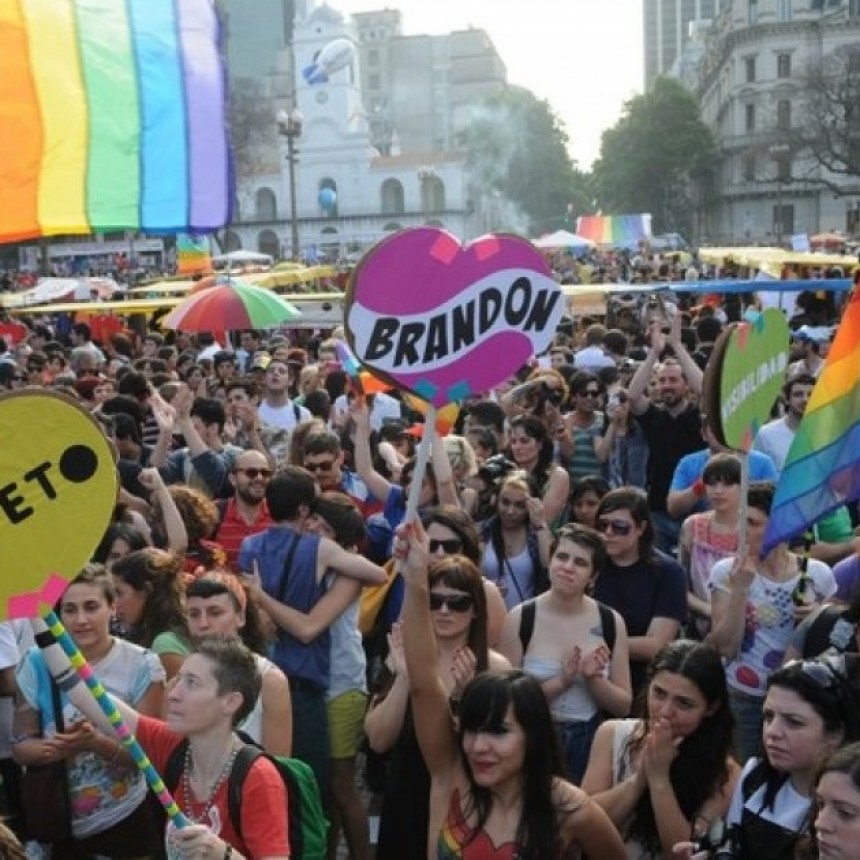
x=290 y=127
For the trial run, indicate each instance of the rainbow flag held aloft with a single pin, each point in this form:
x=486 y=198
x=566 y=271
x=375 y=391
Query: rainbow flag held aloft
x=622 y=231
x=822 y=470
x=192 y=255
x=114 y=117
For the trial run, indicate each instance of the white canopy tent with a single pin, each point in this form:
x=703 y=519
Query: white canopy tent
x=562 y=239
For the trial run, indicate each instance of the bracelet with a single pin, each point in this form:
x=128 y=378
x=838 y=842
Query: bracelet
x=698 y=487
x=228 y=851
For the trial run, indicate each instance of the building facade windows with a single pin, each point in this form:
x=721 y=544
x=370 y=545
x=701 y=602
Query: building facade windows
x=749 y=67
x=392 y=198
x=783 y=10
x=783 y=66
x=749 y=118
x=752 y=12
x=783 y=114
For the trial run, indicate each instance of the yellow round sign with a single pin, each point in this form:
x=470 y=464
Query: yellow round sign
x=58 y=489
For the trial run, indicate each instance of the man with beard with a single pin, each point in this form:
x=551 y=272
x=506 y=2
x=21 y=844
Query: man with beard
x=834 y=535
x=246 y=513
x=672 y=428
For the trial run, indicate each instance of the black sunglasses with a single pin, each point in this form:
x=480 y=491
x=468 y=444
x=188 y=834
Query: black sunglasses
x=325 y=466
x=448 y=546
x=255 y=473
x=617 y=527
x=454 y=602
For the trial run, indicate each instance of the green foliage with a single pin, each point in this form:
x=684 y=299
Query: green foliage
x=517 y=147
x=650 y=159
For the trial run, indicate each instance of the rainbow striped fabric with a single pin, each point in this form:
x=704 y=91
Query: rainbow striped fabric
x=114 y=117
x=822 y=470
x=622 y=231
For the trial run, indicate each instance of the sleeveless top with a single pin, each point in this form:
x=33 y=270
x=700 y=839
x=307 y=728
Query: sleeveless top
x=456 y=842
x=515 y=576
x=252 y=725
x=573 y=704
x=707 y=547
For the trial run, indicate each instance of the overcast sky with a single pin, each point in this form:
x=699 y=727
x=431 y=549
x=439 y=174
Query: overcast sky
x=583 y=56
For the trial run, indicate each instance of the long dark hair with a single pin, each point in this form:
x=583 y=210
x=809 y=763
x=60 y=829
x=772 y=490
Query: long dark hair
x=483 y=708
x=700 y=768
x=155 y=572
x=534 y=427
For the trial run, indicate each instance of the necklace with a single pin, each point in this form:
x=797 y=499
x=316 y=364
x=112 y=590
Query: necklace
x=209 y=802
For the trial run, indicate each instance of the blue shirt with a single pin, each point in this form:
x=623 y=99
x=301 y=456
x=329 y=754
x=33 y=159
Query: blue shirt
x=691 y=467
x=297 y=587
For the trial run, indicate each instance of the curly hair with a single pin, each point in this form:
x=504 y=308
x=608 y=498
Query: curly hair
x=199 y=513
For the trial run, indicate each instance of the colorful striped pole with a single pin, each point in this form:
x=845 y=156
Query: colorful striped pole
x=106 y=703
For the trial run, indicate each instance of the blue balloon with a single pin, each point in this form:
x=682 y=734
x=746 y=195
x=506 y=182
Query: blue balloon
x=327 y=198
x=313 y=74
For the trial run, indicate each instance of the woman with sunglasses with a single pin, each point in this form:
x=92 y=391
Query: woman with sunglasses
x=574 y=646
x=810 y=710
x=709 y=536
x=458 y=613
x=495 y=770
x=668 y=774
x=579 y=431
x=646 y=587
x=753 y=615
x=517 y=541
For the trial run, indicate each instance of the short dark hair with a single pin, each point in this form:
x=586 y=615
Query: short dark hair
x=634 y=500
x=124 y=404
x=760 y=495
x=799 y=379
x=210 y=410
x=288 y=490
x=81 y=329
x=321 y=443
x=235 y=670
x=488 y=414
x=725 y=467
x=133 y=383
x=584 y=536
x=343 y=516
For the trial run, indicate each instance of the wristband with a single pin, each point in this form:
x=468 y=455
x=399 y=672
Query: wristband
x=698 y=487
x=45 y=639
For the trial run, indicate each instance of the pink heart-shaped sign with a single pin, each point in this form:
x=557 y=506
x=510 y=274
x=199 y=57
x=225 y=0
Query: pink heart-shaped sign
x=446 y=320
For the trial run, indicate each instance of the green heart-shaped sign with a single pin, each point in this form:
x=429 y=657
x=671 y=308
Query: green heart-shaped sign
x=751 y=376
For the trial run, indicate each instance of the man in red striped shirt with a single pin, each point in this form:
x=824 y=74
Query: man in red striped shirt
x=246 y=513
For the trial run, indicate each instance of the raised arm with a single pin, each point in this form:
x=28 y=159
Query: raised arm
x=378 y=484
x=728 y=607
x=174 y=526
x=433 y=723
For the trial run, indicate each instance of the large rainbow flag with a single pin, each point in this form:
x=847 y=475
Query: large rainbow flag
x=622 y=231
x=113 y=116
x=822 y=470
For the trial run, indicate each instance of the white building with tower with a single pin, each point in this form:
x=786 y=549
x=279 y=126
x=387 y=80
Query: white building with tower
x=347 y=196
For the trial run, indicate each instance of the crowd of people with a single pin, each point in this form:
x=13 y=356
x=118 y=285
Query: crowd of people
x=575 y=649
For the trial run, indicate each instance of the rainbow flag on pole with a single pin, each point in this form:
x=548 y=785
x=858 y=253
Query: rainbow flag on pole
x=822 y=470
x=113 y=117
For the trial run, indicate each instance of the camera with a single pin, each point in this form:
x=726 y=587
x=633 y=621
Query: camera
x=720 y=841
x=496 y=467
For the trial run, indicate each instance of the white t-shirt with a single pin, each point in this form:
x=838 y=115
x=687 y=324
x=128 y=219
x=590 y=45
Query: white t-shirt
x=384 y=406
x=790 y=809
x=592 y=358
x=284 y=416
x=769 y=622
x=774 y=439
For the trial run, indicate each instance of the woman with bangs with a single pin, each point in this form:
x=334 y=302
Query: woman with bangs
x=710 y=536
x=458 y=606
x=517 y=540
x=668 y=775
x=574 y=646
x=496 y=789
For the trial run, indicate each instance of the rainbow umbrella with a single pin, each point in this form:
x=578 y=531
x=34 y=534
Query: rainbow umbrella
x=230 y=305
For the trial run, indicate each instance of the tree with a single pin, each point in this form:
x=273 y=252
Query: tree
x=825 y=144
x=653 y=158
x=517 y=148
x=253 y=130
